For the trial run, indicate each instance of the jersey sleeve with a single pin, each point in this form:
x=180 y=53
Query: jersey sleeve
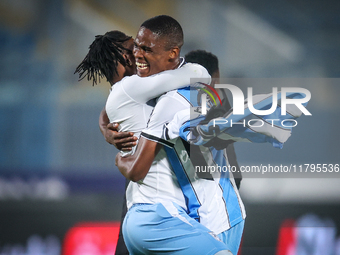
x=163 y=113
x=142 y=89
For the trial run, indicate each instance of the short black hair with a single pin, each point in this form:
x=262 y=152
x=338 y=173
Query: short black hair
x=166 y=26
x=103 y=57
x=204 y=58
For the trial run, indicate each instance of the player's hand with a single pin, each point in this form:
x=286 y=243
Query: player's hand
x=123 y=141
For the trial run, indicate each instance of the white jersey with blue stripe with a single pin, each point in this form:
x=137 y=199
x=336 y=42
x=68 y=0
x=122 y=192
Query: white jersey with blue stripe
x=211 y=199
x=130 y=101
x=127 y=105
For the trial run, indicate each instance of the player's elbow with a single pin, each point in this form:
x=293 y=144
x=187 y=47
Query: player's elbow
x=133 y=169
x=134 y=173
x=134 y=176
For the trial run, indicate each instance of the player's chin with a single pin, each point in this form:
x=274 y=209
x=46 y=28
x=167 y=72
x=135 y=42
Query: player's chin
x=143 y=72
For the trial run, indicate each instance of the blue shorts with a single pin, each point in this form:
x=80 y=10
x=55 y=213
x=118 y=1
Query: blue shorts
x=151 y=229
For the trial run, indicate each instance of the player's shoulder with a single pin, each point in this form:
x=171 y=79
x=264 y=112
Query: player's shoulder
x=128 y=83
x=131 y=78
x=181 y=91
x=195 y=66
x=126 y=80
x=181 y=95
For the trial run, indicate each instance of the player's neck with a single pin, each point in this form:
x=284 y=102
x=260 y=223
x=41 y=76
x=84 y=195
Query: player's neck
x=175 y=63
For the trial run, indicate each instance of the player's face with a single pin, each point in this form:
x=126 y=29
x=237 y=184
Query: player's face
x=130 y=67
x=150 y=53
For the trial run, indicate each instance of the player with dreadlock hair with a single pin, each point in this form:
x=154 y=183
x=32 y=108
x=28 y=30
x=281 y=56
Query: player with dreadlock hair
x=110 y=56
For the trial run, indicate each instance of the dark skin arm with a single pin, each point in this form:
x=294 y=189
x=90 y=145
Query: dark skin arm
x=103 y=121
x=136 y=166
x=123 y=141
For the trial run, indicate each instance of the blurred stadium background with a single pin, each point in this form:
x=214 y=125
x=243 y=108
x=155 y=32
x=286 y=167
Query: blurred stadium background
x=56 y=170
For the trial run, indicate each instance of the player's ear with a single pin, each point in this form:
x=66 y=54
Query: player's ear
x=174 y=53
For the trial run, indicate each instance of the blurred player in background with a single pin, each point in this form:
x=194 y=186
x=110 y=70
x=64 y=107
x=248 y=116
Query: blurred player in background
x=210 y=62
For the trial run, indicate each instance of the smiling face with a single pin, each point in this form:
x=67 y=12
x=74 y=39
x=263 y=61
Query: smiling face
x=151 y=53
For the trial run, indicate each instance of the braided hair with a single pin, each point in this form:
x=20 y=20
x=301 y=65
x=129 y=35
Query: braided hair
x=103 y=57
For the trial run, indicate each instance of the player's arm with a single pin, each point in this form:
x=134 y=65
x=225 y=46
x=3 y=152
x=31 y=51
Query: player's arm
x=103 y=122
x=123 y=141
x=142 y=89
x=136 y=166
